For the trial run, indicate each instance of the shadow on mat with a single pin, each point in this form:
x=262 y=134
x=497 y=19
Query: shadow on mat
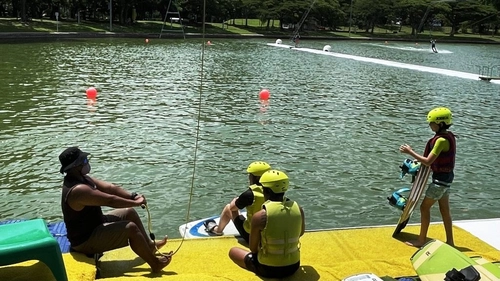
x=120 y=268
x=38 y=270
x=15 y=272
x=304 y=273
x=242 y=242
x=404 y=236
x=79 y=257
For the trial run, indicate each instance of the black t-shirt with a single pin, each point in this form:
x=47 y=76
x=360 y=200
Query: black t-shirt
x=245 y=199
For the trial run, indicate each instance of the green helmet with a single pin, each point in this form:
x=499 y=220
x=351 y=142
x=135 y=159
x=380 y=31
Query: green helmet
x=276 y=180
x=257 y=168
x=438 y=115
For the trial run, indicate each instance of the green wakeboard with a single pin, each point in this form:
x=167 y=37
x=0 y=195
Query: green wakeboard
x=433 y=260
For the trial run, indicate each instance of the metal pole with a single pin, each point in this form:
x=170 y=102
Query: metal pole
x=423 y=18
x=350 y=19
x=57 y=21
x=110 y=15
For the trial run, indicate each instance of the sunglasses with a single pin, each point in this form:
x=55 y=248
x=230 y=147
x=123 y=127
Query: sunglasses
x=85 y=161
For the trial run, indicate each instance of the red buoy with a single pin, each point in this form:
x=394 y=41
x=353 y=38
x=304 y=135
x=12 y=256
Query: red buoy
x=91 y=93
x=264 y=94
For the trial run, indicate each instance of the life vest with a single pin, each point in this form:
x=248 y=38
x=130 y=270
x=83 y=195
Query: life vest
x=258 y=200
x=279 y=243
x=445 y=162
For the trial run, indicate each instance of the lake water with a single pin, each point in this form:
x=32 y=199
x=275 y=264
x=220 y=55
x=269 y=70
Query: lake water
x=334 y=125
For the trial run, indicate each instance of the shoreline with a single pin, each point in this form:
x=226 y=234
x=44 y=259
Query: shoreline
x=89 y=35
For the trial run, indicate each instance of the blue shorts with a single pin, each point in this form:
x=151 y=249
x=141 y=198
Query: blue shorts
x=436 y=190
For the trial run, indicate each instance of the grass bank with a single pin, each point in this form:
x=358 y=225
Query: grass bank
x=236 y=27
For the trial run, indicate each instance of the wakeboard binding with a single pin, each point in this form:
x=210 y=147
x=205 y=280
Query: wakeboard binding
x=466 y=274
x=409 y=167
x=397 y=199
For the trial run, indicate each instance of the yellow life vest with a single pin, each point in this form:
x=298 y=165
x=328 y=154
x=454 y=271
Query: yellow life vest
x=279 y=244
x=258 y=200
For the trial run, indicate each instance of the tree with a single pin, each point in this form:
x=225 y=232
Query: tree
x=328 y=13
x=372 y=12
x=413 y=12
x=463 y=11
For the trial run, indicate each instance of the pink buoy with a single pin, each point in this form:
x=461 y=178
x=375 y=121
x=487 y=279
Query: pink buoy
x=91 y=93
x=264 y=94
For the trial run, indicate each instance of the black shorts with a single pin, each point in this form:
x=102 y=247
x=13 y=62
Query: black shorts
x=444 y=177
x=252 y=264
x=238 y=223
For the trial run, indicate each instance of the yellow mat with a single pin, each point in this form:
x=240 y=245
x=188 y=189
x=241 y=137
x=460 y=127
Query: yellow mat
x=78 y=268
x=325 y=255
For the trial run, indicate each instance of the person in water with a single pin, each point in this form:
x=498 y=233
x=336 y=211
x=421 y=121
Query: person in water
x=275 y=232
x=251 y=199
x=92 y=232
x=439 y=154
x=433 y=45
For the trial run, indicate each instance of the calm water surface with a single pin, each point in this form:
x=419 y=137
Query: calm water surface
x=334 y=125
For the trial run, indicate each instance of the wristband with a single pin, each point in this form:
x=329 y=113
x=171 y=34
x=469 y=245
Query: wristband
x=133 y=195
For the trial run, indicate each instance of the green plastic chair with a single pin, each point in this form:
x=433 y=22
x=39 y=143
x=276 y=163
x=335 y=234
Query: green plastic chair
x=31 y=240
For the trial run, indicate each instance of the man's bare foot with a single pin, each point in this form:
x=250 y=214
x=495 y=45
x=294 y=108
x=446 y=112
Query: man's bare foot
x=161 y=263
x=415 y=243
x=156 y=245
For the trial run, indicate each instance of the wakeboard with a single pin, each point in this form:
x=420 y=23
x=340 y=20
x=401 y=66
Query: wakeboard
x=436 y=259
x=196 y=229
x=417 y=188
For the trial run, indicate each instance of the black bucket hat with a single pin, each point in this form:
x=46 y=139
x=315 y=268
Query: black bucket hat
x=71 y=157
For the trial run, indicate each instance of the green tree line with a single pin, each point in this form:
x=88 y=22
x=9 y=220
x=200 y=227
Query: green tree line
x=480 y=16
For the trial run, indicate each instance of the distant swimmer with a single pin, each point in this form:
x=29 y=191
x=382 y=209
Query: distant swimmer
x=433 y=46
